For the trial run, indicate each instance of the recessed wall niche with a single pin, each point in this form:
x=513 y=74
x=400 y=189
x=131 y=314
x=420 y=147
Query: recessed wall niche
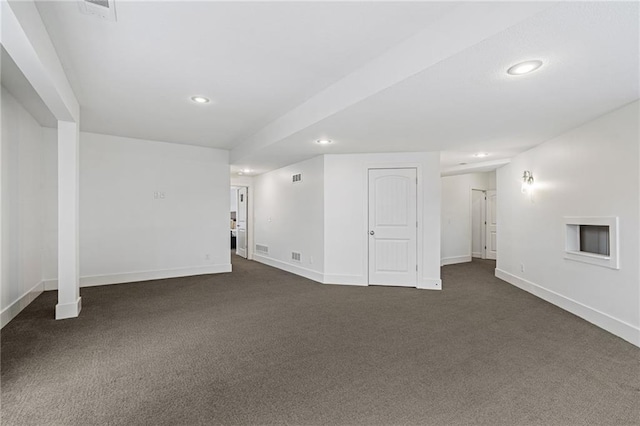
x=592 y=240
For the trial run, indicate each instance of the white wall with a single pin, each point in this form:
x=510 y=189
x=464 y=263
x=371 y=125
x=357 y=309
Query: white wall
x=290 y=217
x=127 y=234
x=456 y=213
x=50 y=221
x=242 y=181
x=592 y=170
x=346 y=218
x=23 y=207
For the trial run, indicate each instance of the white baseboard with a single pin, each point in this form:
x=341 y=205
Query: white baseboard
x=345 y=279
x=455 y=259
x=128 y=277
x=334 y=279
x=20 y=303
x=69 y=310
x=430 y=284
x=605 y=321
x=294 y=269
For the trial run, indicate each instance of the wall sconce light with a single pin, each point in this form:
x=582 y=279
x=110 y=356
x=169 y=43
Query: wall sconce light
x=527 y=181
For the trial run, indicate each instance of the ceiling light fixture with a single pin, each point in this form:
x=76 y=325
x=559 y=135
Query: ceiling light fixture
x=246 y=170
x=481 y=154
x=324 y=141
x=200 y=99
x=525 y=67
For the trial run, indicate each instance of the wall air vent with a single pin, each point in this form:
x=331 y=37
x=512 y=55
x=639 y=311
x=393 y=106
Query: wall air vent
x=296 y=178
x=262 y=249
x=295 y=256
x=103 y=9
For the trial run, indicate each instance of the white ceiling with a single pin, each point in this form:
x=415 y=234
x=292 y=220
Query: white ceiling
x=468 y=104
x=372 y=76
x=254 y=60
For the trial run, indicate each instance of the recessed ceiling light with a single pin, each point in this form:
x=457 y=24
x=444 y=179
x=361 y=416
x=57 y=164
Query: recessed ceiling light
x=240 y=173
x=200 y=99
x=481 y=154
x=246 y=170
x=525 y=67
x=324 y=141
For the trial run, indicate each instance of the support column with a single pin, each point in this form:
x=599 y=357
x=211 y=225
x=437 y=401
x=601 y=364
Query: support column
x=69 y=303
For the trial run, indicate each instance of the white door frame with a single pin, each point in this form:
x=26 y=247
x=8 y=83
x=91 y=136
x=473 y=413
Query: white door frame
x=488 y=253
x=419 y=213
x=242 y=242
x=483 y=220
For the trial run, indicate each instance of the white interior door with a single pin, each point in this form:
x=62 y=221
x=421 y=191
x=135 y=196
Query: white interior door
x=241 y=223
x=492 y=228
x=478 y=223
x=393 y=227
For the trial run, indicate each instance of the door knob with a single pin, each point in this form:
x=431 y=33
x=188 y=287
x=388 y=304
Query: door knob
x=371 y=233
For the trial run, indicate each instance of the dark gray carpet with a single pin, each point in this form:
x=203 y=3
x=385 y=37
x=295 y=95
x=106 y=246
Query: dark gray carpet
x=262 y=346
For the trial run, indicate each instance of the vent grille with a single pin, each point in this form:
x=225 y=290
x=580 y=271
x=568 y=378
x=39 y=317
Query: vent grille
x=262 y=249
x=296 y=178
x=295 y=256
x=103 y=3
x=103 y=9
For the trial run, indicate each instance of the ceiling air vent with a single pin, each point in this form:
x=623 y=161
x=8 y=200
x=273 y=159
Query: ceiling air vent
x=103 y=9
x=296 y=178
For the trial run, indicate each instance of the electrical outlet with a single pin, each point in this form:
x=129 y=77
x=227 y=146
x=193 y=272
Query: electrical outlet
x=521 y=267
x=311 y=259
x=207 y=257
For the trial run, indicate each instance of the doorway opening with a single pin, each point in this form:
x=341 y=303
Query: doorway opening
x=483 y=224
x=239 y=220
x=478 y=221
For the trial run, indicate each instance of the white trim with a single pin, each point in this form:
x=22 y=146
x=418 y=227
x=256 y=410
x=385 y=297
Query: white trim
x=294 y=269
x=455 y=259
x=14 y=308
x=605 y=321
x=69 y=310
x=430 y=284
x=50 y=284
x=129 y=277
x=359 y=280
